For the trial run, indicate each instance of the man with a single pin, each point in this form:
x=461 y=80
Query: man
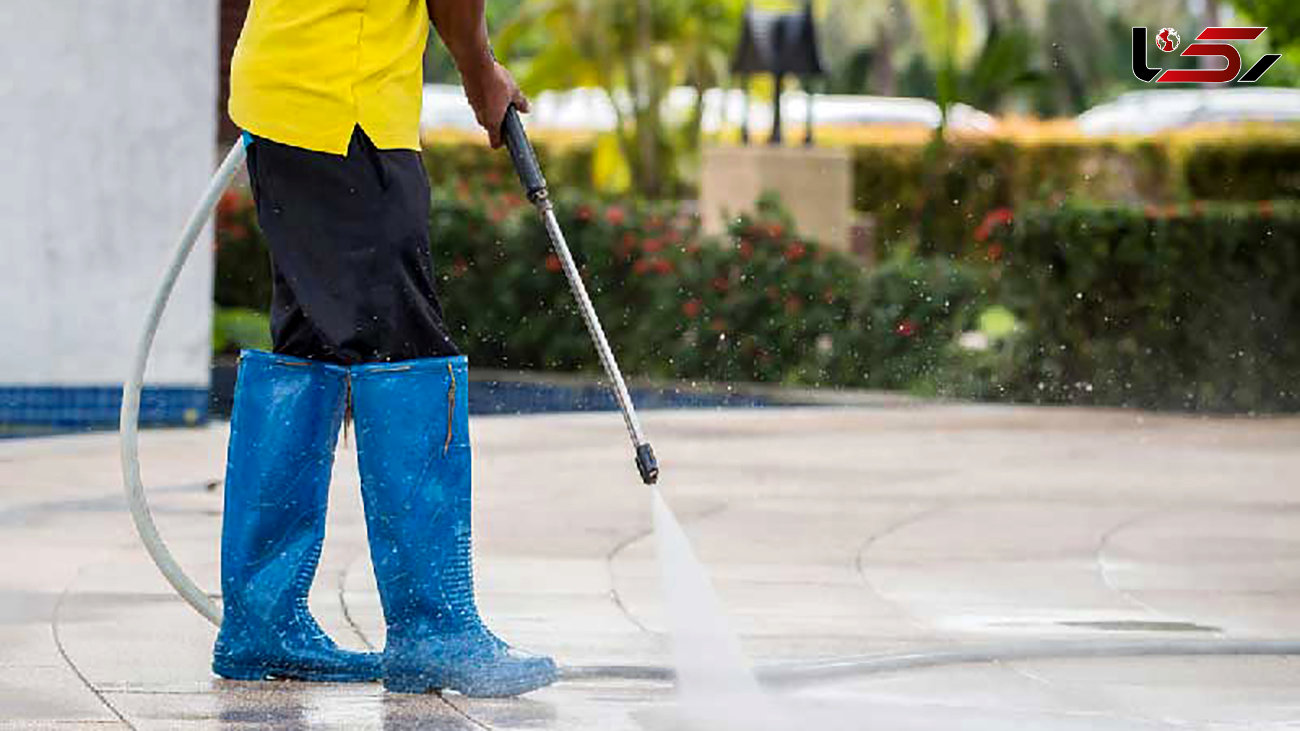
x=328 y=93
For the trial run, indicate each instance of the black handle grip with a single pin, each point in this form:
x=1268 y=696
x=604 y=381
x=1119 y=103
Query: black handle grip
x=521 y=152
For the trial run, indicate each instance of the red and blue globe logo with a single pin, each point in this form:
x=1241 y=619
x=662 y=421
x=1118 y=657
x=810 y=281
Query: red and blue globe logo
x=1168 y=40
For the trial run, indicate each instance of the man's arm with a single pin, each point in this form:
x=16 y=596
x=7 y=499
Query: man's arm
x=462 y=26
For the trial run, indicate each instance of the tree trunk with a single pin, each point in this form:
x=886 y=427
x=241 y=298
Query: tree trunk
x=647 y=102
x=884 y=77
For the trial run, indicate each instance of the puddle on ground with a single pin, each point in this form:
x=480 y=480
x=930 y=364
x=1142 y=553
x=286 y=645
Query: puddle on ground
x=1140 y=625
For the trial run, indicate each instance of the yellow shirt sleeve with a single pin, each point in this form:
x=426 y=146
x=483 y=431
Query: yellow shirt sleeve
x=307 y=72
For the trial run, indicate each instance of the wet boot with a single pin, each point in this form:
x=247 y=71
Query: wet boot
x=282 y=436
x=412 y=427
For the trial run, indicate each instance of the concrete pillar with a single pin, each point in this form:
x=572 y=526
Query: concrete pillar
x=815 y=186
x=109 y=136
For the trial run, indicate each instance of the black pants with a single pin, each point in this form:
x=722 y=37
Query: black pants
x=350 y=254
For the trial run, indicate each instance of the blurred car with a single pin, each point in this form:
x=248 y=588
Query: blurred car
x=590 y=110
x=1147 y=112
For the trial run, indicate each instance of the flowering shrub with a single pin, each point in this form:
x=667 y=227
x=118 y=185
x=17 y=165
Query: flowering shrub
x=1190 y=307
x=761 y=304
x=243 y=278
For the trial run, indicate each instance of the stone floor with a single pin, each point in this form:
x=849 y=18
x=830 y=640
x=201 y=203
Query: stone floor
x=830 y=533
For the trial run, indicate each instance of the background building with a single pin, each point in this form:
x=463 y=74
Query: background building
x=109 y=139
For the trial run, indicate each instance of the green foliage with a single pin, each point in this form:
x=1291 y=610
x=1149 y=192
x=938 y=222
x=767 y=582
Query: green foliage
x=454 y=163
x=243 y=278
x=636 y=52
x=1194 y=308
x=760 y=305
x=938 y=200
x=1281 y=16
x=1220 y=170
x=235 y=329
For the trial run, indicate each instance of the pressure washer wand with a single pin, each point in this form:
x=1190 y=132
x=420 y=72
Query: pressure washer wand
x=530 y=174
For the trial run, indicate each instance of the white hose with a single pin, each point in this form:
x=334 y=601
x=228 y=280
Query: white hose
x=130 y=420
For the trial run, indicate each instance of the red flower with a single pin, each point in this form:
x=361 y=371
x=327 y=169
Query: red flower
x=906 y=328
x=994 y=252
x=746 y=249
x=795 y=251
x=629 y=244
x=231 y=203
x=652 y=246
x=553 y=263
x=793 y=305
x=775 y=230
x=663 y=266
x=616 y=216
x=996 y=217
x=641 y=266
x=585 y=213
x=691 y=308
x=721 y=284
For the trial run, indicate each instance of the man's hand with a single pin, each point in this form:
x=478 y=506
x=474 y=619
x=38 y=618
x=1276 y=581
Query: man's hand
x=488 y=85
x=491 y=90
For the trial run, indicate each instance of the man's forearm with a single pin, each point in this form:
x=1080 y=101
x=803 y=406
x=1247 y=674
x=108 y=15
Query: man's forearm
x=462 y=26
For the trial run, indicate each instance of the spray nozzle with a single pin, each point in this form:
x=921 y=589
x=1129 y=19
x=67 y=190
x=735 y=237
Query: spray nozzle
x=646 y=464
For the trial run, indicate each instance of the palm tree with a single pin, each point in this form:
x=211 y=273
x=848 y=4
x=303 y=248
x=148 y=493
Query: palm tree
x=636 y=52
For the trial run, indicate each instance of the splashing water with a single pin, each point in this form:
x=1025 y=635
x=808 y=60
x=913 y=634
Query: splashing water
x=718 y=691
x=716 y=686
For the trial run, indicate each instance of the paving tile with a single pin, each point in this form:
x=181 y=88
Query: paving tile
x=829 y=533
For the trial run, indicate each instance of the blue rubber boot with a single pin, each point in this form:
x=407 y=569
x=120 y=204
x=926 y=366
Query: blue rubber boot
x=412 y=421
x=282 y=436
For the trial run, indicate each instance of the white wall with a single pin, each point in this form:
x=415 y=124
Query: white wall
x=107 y=138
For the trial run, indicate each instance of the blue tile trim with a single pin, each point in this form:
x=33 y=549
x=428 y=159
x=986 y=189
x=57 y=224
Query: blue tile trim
x=503 y=397
x=86 y=407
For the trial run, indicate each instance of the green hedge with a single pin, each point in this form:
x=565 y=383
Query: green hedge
x=932 y=200
x=1221 y=170
x=460 y=164
x=1194 y=308
x=935 y=197
x=758 y=305
x=243 y=276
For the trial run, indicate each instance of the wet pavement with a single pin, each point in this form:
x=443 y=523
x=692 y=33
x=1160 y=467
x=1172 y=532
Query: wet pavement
x=830 y=533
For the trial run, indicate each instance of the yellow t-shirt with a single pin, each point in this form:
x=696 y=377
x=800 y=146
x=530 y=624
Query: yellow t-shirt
x=307 y=72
